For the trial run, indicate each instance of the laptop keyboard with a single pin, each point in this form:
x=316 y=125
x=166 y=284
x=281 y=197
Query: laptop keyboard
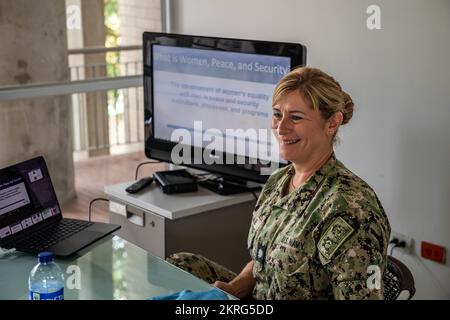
x=47 y=237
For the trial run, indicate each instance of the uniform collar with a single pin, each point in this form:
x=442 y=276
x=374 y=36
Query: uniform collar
x=329 y=164
x=300 y=198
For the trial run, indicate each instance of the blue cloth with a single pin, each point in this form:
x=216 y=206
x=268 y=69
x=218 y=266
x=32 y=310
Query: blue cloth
x=214 y=294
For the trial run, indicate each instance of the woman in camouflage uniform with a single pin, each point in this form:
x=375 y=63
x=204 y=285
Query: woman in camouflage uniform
x=318 y=230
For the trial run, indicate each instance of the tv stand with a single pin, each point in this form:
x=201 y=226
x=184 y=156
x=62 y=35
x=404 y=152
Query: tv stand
x=227 y=186
x=201 y=222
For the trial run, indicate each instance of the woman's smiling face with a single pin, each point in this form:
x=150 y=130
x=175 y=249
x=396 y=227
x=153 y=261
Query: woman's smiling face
x=301 y=131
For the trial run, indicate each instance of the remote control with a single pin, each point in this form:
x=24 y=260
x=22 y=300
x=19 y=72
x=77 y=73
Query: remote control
x=139 y=185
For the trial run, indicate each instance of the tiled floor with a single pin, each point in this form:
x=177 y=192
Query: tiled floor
x=93 y=174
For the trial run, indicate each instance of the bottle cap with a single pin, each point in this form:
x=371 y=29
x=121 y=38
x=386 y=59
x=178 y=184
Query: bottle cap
x=46 y=256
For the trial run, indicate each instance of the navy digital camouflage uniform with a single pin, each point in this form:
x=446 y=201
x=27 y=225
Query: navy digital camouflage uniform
x=325 y=240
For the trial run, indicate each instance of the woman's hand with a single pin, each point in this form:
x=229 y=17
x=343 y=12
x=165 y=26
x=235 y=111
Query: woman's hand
x=241 y=286
x=227 y=287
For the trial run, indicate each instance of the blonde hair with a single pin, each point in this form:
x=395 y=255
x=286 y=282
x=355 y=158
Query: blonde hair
x=320 y=90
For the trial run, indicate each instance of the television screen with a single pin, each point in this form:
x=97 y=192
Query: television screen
x=208 y=101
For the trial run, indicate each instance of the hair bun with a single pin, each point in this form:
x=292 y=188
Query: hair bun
x=347 y=110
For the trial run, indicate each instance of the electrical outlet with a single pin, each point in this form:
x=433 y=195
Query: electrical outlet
x=409 y=242
x=433 y=252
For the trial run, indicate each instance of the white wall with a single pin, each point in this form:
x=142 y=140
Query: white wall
x=399 y=78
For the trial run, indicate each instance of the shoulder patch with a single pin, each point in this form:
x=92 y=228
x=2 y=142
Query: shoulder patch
x=334 y=237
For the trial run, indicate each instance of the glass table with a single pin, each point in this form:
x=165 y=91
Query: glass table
x=112 y=268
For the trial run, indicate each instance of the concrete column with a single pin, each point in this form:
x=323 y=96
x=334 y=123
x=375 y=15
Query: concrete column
x=92 y=12
x=33 y=48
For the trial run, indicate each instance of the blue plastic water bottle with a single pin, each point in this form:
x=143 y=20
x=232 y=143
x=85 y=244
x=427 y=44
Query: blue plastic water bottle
x=46 y=281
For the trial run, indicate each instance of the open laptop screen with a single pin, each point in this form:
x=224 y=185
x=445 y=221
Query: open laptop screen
x=27 y=197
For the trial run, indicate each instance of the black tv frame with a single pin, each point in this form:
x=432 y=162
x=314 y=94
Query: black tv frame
x=161 y=149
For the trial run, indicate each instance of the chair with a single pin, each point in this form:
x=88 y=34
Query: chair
x=398 y=281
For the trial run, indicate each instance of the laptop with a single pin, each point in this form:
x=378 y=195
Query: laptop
x=31 y=218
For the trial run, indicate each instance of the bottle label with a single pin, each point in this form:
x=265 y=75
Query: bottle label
x=57 y=295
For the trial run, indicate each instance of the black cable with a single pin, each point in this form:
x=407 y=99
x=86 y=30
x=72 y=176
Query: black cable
x=141 y=164
x=397 y=244
x=393 y=241
x=392 y=248
x=254 y=195
x=90 y=205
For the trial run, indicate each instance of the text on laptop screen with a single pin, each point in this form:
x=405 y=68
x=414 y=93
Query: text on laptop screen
x=27 y=197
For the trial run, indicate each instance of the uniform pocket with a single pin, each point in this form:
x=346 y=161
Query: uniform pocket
x=291 y=273
x=256 y=224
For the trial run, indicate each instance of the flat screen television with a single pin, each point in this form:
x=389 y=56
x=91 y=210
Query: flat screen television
x=207 y=102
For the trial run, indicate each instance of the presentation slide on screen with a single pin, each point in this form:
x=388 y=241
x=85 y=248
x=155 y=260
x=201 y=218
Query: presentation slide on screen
x=225 y=91
x=13 y=197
